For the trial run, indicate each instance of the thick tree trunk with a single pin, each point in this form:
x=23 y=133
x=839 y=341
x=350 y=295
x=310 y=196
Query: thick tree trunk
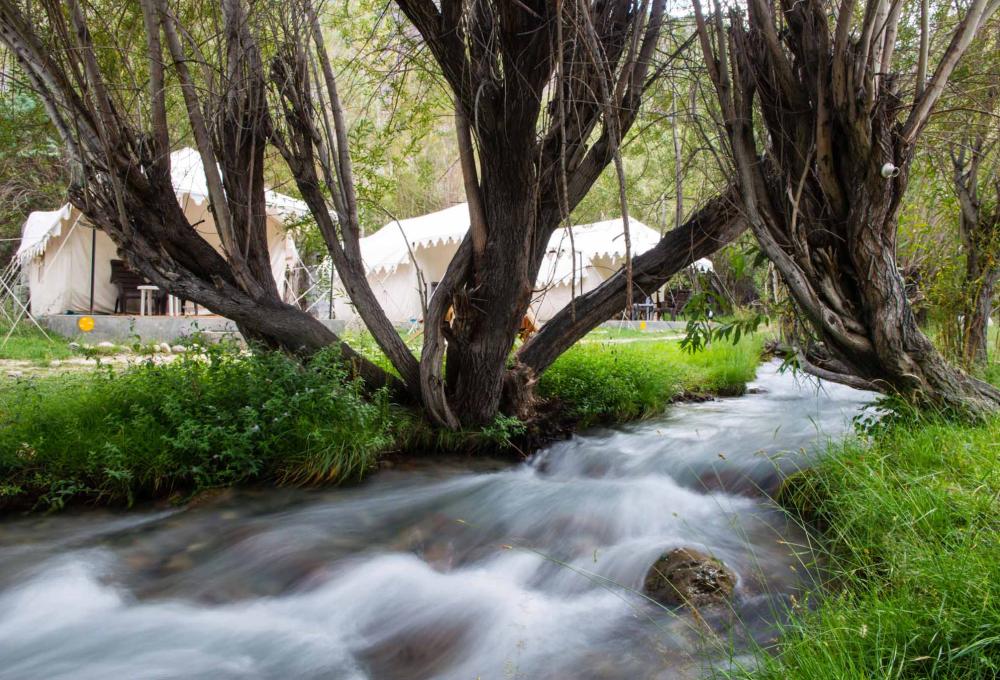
x=577 y=67
x=823 y=195
x=492 y=301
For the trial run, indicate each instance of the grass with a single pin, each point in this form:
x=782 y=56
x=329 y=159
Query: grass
x=219 y=416
x=626 y=332
x=606 y=382
x=27 y=343
x=224 y=418
x=910 y=530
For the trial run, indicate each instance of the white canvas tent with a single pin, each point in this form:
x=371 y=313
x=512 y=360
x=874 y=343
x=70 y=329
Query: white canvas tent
x=63 y=255
x=430 y=241
x=389 y=255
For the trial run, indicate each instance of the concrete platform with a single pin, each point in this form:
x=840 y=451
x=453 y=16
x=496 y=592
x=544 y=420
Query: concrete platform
x=127 y=328
x=649 y=325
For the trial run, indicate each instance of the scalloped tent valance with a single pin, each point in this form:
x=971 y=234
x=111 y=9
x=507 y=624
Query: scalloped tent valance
x=188 y=178
x=392 y=246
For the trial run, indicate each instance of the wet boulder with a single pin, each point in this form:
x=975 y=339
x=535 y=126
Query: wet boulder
x=685 y=576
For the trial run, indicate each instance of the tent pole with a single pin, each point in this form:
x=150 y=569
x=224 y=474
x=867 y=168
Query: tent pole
x=93 y=257
x=330 y=313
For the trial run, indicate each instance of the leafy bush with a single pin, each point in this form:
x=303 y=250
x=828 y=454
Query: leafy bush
x=602 y=382
x=216 y=419
x=912 y=540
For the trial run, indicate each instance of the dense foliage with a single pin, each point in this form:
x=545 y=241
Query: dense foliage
x=195 y=423
x=912 y=555
x=32 y=174
x=623 y=380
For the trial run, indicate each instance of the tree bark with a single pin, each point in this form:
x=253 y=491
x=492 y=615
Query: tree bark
x=822 y=195
x=982 y=271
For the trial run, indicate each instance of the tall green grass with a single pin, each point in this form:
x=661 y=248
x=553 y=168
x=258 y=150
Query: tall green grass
x=605 y=382
x=224 y=418
x=910 y=528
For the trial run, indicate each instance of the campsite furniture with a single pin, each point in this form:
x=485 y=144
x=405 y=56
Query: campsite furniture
x=147 y=301
x=643 y=311
x=674 y=300
x=127 y=281
x=176 y=305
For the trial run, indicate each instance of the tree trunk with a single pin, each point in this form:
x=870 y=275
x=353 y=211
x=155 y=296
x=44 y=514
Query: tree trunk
x=822 y=196
x=543 y=94
x=490 y=305
x=981 y=274
x=979 y=227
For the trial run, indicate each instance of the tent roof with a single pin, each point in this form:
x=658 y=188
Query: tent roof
x=390 y=246
x=188 y=178
x=38 y=229
x=703 y=265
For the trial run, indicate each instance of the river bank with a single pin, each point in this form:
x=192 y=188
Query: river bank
x=439 y=571
x=908 y=526
x=217 y=417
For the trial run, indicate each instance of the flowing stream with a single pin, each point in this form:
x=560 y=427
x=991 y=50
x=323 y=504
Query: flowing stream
x=454 y=570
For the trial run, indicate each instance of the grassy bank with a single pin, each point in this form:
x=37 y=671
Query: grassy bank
x=222 y=418
x=910 y=523
x=613 y=382
x=28 y=343
x=113 y=435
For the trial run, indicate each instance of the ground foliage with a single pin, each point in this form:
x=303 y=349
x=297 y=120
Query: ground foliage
x=909 y=541
x=220 y=416
x=218 y=419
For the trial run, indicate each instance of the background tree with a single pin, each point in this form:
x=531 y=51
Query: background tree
x=109 y=92
x=975 y=164
x=32 y=173
x=544 y=93
x=823 y=176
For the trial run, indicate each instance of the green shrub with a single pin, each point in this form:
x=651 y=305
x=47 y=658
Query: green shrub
x=217 y=419
x=911 y=524
x=602 y=382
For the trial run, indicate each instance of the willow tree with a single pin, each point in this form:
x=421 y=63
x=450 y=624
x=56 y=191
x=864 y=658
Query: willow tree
x=544 y=92
x=822 y=131
x=106 y=74
x=975 y=162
